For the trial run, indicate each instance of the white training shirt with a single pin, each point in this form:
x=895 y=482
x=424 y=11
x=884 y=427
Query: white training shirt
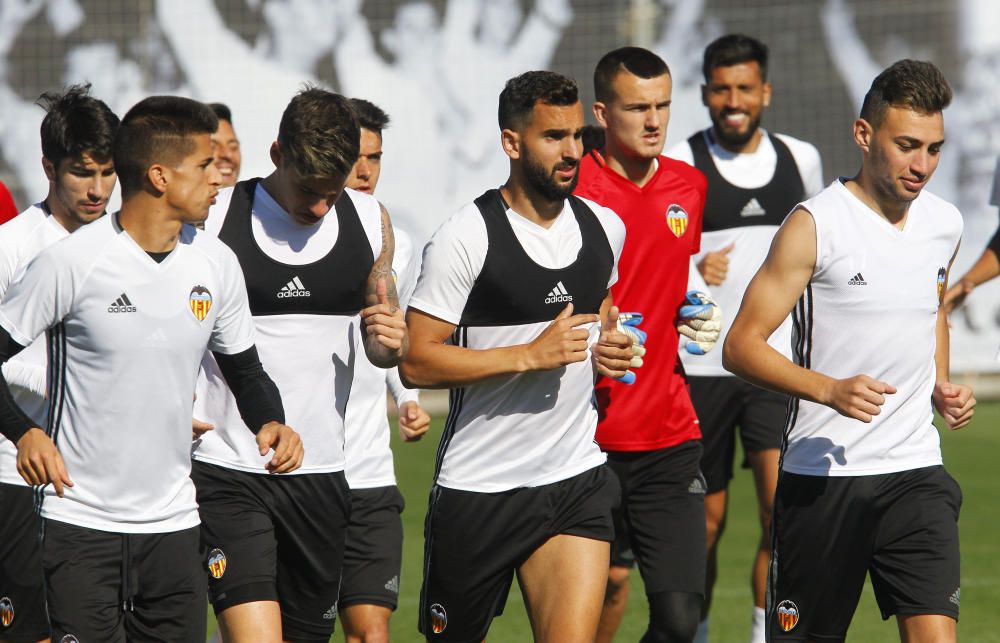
x=310 y=357
x=126 y=336
x=21 y=239
x=871 y=308
x=747 y=171
x=369 y=457
x=514 y=432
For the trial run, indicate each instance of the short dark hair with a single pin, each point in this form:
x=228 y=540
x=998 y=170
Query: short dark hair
x=913 y=84
x=222 y=111
x=635 y=60
x=370 y=116
x=75 y=124
x=319 y=134
x=158 y=129
x=521 y=93
x=733 y=49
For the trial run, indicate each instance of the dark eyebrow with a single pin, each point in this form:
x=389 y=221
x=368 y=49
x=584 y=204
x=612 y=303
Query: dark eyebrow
x=557 y=132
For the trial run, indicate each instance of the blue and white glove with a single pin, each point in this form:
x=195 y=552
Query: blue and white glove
x=700 y=320
x=628 y=323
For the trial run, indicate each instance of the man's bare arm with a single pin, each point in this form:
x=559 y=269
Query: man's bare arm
x=954 y=402
x=769 y=299
x=386 y=338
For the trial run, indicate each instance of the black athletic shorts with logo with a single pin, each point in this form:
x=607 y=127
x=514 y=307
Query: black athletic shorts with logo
x=22 y=590
x=901 y=528
x=474 y=542
x=274 y=537
x=661 y=518
x=114 y=587
x=373 y=552
x=724 y=404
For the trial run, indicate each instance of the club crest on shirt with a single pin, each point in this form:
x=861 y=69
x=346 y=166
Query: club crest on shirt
x=677 y=220
x=6 y=611
x=941 y=278
x=788 y=615
x=201 y=302
x=439 y=618
x=216 y=563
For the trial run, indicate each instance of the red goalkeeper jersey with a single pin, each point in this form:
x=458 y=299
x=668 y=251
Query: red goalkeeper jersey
x=663 y=229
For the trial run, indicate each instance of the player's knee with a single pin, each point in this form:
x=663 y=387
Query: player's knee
x=371 y=633
x=714 y=526
x=765 y=514
x=673 y=617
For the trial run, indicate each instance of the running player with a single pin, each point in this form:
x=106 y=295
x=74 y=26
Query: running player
x=649 y=429
x=226 y=146
x=519 y=483
x=755 y=178
x=78 y=134
x=862 y=267
x=373 y=551
x=315 y=256
x=130 y=304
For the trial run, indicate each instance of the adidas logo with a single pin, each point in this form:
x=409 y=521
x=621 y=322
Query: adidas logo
x=956 y=598
x=558 y=295
x=393 y=584
x=121 y=305
x=857 y=280
x=293 y=288
x=697 y=486
x=753 y=209
x=331 y=613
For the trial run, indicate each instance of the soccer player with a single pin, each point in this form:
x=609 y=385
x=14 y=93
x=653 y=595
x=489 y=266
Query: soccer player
x=373 y=550
x=315 y=255
x=226 y=146
x=130 y=304
x=512 y=312
x=755 y=178
x=649 y=429
x=862 y=267
x=77 y=139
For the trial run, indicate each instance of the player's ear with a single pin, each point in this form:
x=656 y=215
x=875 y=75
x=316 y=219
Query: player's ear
x=704 y=95
x=158 y=177
x=275 y=153
x=767 y=94
x=50 y=169
x=863 y=132
x=601 y=114
x=511 y=142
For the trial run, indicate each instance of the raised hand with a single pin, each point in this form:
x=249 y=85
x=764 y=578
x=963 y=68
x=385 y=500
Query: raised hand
x=714 y=266
x=613 y=352
x=700 y=320
x=955 y=403
x=287 y=446
x=385 y=322
x=413 y=421
x=40 y=463
x=859 y=397
x=562 y=342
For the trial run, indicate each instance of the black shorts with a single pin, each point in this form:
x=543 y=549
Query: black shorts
x=275 y=538
x=902 y=528
x=473 y=543
x=22 y=590
x=724 y=404
x=106 y=586
x=373 y=553
x=661 y=520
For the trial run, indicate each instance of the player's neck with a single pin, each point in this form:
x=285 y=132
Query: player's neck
x=888 y=207
x=60 y=214
x=153 y=227
x=635 y=169
x=748 y=147
x=529 y=204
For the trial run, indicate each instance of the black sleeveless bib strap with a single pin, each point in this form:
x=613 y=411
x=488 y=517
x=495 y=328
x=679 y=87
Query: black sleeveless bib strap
x=333 y=285
x=728 y=206
x=512 y=289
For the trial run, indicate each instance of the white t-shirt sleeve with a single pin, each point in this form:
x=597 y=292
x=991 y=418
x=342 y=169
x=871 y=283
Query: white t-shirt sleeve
x=810 y=164
x=39 y=298
x=614 y=227
x=233 y=329
x=681 y=152
x=400 y=393
x=403 y=266
x=452 y=261
x=995 y=196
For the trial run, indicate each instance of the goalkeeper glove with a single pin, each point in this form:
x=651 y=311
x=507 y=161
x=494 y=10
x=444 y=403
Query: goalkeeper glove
x=628 y=323
x=700 y=320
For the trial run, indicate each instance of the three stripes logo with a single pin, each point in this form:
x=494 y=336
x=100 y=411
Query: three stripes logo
x=293 y=288
x=753 y=208
x=121 y=305
x=558 y=294
x=857 y=280
x=788 y=615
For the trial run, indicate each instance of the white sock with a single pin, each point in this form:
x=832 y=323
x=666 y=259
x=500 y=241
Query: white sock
x=757 y=628
x=701 y=636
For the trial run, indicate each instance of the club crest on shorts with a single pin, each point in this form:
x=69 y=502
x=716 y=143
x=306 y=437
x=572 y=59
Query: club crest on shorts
x=69 y=638
x=788 y=615
x=439 y=618
x=677 y=220
x=201 y=302
x=6 y=611
x=942 y=276
x=216 y=563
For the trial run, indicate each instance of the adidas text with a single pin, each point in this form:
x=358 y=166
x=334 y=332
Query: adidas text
x=857 y=280
x=558 y=295
x=121 y=305
x=293 y=288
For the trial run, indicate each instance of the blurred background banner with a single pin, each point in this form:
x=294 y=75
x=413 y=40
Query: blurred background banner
x=437 y=66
